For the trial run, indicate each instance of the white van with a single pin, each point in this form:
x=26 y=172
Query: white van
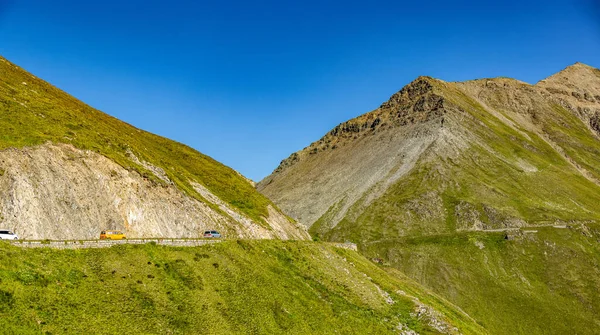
x=6 y=234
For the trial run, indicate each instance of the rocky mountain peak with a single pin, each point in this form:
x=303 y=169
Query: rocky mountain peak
x=430 y=120
x=576 y=88
x=487 y=162
x=418 y=102
x=418 y=87
x=577 y=76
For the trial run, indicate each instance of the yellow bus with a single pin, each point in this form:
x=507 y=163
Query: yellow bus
x=112 y=235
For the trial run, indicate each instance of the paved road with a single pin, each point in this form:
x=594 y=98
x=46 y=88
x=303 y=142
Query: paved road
x=183 y=242
x=80 y=244
x=524 y=229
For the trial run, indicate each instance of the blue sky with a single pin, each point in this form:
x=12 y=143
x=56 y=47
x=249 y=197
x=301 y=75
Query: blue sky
x=248 y=83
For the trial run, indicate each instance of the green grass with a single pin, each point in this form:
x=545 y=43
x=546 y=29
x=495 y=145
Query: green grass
x=241 y=287
x=540 y=283
x=33 y=112
x=579 y=144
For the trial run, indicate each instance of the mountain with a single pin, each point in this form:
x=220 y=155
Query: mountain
x=485 y=191
x=482 y=154
x=68 y=171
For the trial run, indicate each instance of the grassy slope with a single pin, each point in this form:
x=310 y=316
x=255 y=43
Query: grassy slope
x=244 y=287
x=541 y=283
x=33 y=112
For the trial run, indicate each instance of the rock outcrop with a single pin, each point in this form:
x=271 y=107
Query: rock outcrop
x=56 y=191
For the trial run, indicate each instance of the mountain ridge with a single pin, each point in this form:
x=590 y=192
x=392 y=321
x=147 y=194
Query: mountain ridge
x=417 y=102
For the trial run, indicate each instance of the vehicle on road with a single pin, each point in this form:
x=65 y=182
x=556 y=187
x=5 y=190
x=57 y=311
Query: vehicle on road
x=6 y=234
x=212 y=233
x=112 y=235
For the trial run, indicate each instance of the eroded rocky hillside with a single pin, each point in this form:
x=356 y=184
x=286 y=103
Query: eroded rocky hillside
x=68 y=171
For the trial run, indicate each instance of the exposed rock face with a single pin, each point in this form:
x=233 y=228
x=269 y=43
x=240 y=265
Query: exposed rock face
x=442 y=157
x=57 y=191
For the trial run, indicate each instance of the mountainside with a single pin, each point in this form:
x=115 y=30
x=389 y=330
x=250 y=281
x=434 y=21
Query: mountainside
x=68 y=171
x=540 y=281
x=423 y=179
x=483 y=154
x=233 y=287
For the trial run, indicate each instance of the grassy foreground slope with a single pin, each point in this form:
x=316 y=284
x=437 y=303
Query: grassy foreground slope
x=545 y=281
x=240 y=287
x=33 y=112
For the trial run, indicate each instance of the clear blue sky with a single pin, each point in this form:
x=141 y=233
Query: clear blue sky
x=250 y=82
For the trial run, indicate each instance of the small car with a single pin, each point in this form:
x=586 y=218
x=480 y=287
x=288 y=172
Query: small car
x=112 y=235
x=211 y=233
x=6 y=234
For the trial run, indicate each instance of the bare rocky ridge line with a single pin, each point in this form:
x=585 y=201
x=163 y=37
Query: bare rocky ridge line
x=416 y=103
x=56 y=191
x=157 y=171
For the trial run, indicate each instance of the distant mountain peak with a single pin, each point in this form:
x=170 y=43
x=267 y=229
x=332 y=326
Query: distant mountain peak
x=577 y=87
x=578 y=72
x=579 y=65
